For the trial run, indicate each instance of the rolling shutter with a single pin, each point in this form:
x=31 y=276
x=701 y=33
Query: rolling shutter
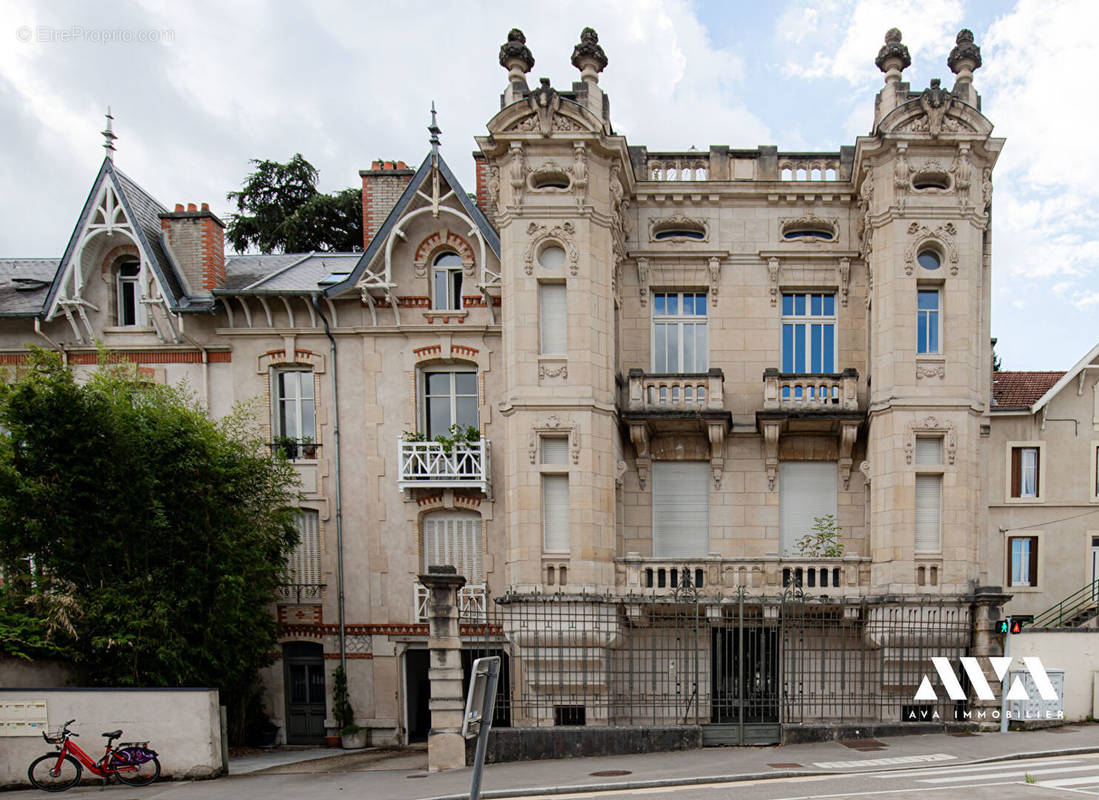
x=555 y=513
x=929 y=493
x=304 y=564
x=455 y=540
x=807 y=489
x=681 y=509
x=553 y=319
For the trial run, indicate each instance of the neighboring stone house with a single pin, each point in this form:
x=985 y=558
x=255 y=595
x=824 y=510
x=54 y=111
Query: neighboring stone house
x=1043 y=520
x=675 y=364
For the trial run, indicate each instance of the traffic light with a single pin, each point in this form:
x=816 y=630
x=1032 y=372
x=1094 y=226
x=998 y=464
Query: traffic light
x=1009 y=626
x=1016 y=626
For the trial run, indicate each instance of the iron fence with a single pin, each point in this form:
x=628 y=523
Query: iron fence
x=693 y=658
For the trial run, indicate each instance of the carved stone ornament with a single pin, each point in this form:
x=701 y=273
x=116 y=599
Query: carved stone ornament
x=772 y=277
x=843 y=274
x=715 y=279
x=515 y=50
x=643 y=279
x=810 y=222
x=965 y=55
x=544 y=102
x=921 y=235
x=517 y=171
x=680 y=222
x=931 y=369
x=619 y=473
x=553 y=371
x=866 y=203
x=560 y=234
x=494 y=187
x=864 y=468
x=932 y=426
x=935 y=102
x=553 y=424
x=893 y=54
x=589 y=51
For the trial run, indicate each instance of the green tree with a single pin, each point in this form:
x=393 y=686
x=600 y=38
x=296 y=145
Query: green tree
x=823 y=539
x=138 y=538
x=281 y=211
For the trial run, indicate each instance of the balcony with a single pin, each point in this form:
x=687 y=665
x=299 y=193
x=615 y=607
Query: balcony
x=295 y=450
x=471 y=602
x=848 y=576
x=299 y=593
x=430 y=465
x=675 y=393
x=816 y=392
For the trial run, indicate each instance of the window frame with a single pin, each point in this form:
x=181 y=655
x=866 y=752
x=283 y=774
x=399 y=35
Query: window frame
x=422 y=396
x=476 y=545
x=920 y=322
x=278 y=429
x=554 y=470
x=453 y=299
x=1034 y=561
x=134 y=283
x=680 y=321
x=806 y=320
x=1009 y=472
x=704 y=477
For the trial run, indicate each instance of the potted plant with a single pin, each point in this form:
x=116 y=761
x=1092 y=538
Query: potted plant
x=352 y=736
x=286 y=446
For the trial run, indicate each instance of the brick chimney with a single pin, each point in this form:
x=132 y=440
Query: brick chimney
x=383 y=184
x=197 y=240
x=484 y=193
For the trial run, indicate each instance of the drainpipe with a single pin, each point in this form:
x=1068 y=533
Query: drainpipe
x=53 y=344
x=205 y=362
x=336 y=480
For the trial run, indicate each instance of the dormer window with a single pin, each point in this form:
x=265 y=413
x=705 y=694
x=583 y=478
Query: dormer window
x=446 y=282
x=128 y=293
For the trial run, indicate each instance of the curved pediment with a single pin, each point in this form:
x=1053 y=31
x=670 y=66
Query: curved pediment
x=546 y=112
x=951 y=118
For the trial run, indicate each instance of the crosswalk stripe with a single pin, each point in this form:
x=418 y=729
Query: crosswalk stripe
x=1071 y=781
x=916 y=773
x=880 y=762
x=1001 y=774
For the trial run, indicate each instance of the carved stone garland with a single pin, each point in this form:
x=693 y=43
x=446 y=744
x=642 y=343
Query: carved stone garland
x=560 y=234
x=933 y=426
x=553 y=424
x=921 y=234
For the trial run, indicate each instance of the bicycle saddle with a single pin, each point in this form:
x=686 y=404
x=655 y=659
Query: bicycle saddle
x=113 y=734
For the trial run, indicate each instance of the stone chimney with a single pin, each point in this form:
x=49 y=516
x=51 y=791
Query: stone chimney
x=488 y=186
x=383 y=185
x=196 y=238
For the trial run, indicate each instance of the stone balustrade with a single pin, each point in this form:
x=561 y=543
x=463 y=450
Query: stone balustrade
x=676 y=392
x=835 y=391
x=846 y=576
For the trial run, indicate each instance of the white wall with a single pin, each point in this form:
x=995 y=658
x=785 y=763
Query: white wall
x=182 y=725
x=1076 y=652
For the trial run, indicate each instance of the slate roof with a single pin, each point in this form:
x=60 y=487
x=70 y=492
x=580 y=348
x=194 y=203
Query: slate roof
x=492 y=238
x=24 y=284
x=284 y=272
x=1021 y=389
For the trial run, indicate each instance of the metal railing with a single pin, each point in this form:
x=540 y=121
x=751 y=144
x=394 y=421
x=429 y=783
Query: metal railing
x=832 y=391
x=300 y=592
x=1079 y=607
x=434 y=464
x=745 y=663
x=294 y=450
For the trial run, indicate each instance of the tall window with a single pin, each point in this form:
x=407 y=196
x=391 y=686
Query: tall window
x=680 y=337
x=303 y=566
x=681 y=509
x=927 y=321
x=128 y=292
x=552 y=319
x=929 y=494
x=555 y=494
x=808 y=332
x=446 y=282
x=1023 y=560
x=450 y=398
x=806 y=490
x=1025 y=464
x=454 y=538
x=295 y=411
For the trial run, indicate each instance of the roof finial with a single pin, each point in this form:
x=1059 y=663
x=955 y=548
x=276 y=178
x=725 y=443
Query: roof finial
x=109 y=137
x=434 y=130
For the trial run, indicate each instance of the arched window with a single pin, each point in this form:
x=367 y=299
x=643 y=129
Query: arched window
x=128 y=292
x=446 y=282
x=454 y=538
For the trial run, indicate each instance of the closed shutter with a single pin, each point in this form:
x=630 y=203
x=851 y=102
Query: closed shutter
x=929 y=450
x=681 y=509
x=807 y=489
x=555 y=450
x=555 y=513
x=304 y=564
x=553 y=319
x=454 y=539
x=929 y=493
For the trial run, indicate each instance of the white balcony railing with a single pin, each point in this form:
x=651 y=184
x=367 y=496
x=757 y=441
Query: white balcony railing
x=676 y=392
x=838 y=577
x=471 y=602
x=810 y=392
x=431 y=464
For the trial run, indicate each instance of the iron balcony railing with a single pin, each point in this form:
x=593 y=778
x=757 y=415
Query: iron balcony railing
x=294 y=450
x=1075 y=610
x=300 y=592
x=434 y=464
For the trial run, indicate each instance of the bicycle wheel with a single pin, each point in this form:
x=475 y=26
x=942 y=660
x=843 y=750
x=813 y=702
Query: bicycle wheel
x=46 y=774
x=138 y=774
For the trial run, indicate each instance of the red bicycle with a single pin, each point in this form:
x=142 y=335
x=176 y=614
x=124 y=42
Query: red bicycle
x=132 y=763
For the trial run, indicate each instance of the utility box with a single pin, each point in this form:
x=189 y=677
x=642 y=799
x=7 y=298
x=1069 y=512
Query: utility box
x=1035 y=708
x=22 y=717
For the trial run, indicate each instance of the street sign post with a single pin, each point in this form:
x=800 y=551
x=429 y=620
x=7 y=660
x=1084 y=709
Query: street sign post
x=477 y=720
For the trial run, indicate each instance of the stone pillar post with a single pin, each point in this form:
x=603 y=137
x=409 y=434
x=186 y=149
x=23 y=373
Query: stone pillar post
x=987 y=610
x=445 y=747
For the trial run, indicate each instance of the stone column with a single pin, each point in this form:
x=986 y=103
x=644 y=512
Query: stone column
x=445 y=747
x=987 y=610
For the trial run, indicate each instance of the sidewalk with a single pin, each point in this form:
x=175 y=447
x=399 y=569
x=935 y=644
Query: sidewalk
x=391 y=771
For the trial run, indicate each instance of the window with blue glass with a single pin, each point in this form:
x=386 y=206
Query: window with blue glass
x=680 y=337
x=808 y=332
x=927 y=321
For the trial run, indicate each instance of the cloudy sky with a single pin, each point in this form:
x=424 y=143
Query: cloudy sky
x=197 y=88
